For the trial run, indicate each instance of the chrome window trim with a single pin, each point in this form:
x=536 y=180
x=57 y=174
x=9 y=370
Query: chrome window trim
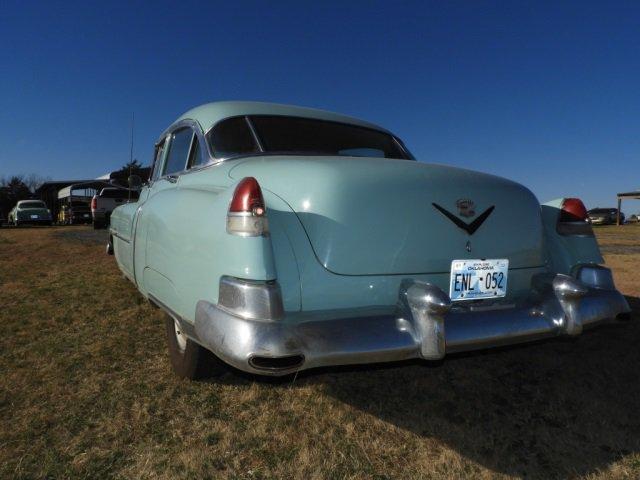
x=402 y=147
x=189 y=151
x=204 y=148
x=171 y=136
x=254 y=133
x=153 y=175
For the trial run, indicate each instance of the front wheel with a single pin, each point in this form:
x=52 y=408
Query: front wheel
x=188 y=359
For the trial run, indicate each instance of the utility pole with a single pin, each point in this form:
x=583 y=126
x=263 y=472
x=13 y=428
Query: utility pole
x=133 y=120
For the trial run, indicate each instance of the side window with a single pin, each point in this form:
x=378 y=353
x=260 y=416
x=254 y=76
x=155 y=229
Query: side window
x=195 y=156
x=157 y=161
x=178 y=151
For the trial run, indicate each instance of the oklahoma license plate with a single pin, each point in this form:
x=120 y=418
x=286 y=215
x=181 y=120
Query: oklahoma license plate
x=33 y=217
x=477 y=279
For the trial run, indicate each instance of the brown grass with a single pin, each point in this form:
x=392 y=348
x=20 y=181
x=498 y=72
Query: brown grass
x=86 y=391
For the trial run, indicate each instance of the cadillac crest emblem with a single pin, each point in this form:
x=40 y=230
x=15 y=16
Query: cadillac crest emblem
x=465 y=207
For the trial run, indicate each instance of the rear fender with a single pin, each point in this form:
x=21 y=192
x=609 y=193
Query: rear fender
x=187 y=243
x=566 y=251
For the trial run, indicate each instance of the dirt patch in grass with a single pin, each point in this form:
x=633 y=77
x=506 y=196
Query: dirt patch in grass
x=86 y=391
x=79 y=234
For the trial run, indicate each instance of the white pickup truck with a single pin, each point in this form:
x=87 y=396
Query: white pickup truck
x=103 y=203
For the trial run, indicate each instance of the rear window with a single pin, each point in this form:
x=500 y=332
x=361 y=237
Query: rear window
x=232 y=137
x=301 y=136
x=32 y=205
x=318 y=137
x=603 y=210
x=113 y=193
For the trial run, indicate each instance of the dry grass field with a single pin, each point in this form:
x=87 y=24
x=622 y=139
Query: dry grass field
x=86 y=391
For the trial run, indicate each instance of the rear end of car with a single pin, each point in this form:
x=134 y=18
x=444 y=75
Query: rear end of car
x=487 y=293
x=32 y=212
x=103 y=204
x=79 y=213
x=604 y=216
x=369 y=259
x=318 y=240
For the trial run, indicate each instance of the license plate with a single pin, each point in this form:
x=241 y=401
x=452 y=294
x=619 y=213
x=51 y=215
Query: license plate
x=477 y=279
x=86 y=215
x=33 y=217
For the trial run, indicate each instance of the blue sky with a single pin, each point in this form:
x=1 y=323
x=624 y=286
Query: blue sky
x=547 y=94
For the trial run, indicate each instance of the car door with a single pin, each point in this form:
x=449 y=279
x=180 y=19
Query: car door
x=124 y=218
x=156 y=235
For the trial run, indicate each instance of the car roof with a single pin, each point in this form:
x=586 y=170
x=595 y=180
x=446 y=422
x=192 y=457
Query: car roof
x=209 y=114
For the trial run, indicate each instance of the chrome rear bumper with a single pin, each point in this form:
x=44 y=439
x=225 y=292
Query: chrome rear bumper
x=425 y=325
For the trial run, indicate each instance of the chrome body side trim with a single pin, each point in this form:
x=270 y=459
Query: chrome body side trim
x=118 y=236
x=424 y=325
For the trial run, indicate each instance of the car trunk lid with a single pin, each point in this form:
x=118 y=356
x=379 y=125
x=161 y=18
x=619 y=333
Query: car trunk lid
x=372 y=216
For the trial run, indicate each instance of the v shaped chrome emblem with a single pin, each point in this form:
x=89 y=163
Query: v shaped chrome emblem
x=470 y=228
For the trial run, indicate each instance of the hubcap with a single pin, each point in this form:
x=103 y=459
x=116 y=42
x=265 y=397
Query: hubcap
x=181 y=339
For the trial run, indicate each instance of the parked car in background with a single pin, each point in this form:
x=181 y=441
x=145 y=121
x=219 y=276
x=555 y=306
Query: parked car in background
x=103 y=203
x=604 y=216
x=282 y=238
x=74 y=212
x=634 y=218
x=30 y=212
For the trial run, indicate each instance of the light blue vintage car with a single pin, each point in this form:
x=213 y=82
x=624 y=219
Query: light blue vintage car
x=282 y=238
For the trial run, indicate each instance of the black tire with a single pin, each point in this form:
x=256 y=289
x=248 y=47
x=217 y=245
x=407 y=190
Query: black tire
x=193 y=361
x=110 y=246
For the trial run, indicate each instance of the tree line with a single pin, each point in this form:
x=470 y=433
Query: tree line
x=16 y=188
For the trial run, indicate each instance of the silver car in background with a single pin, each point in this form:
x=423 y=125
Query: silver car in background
x=604 y=216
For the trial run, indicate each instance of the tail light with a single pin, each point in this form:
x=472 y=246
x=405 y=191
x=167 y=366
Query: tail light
x=94 y=203
x=573 y=218
x=247 y=214
x=573 y=210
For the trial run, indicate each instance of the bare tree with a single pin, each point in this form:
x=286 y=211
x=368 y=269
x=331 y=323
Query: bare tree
x=33 y=181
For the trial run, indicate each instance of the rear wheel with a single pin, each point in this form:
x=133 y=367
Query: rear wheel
x=188 y=359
